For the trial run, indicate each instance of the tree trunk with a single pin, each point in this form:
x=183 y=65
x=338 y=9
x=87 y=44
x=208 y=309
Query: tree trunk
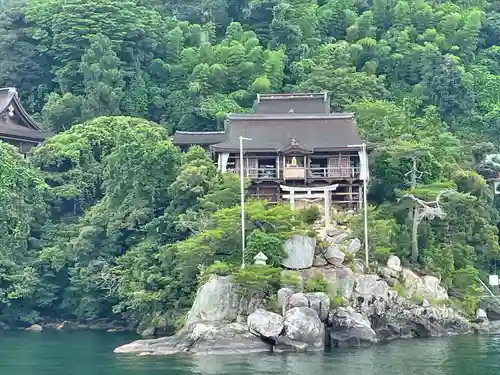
x=414 y=235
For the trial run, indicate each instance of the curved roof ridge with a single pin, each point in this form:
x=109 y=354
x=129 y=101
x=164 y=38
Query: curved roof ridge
x=9 y=95
x=199 y=132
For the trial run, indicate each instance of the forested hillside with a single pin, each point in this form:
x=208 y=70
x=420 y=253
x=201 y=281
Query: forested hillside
x=108 y=220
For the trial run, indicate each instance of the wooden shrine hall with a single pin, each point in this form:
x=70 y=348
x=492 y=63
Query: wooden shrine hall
x=296 y=150
x=16 y=125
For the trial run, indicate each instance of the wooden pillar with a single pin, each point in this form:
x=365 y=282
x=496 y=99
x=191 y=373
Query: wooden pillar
x=327 y=207
x=277 y=167
x=360 y=197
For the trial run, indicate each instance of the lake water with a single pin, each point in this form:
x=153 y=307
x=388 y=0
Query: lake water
x=88 y=353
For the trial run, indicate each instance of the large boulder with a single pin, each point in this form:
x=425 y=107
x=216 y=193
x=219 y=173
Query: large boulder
x=349 y=328
x=423 y=287
x=434 y=290
x=320 y=303
x=369 y=286
x=216 y=301
x=300 y=252
x=302 y=324
x=203 y=338
x=265 y=323
x=297 y=300
x=334 y=255
x=353 y=246
x=481 y=314
x=394 y=263
x=35 y=328
x=491 y=305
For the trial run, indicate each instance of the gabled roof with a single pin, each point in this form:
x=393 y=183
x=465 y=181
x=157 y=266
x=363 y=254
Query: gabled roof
x=297 y=103
x=15 y=122
x=182 y=138
x=274 y=133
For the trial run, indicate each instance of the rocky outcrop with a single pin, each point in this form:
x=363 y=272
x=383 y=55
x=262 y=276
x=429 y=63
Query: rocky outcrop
x=201 y=338
x=216 y=301
x=366 y=311
x=210 y=327
x=300 y=252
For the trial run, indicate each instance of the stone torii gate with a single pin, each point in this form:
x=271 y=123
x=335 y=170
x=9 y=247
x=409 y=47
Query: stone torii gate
x=310 y=194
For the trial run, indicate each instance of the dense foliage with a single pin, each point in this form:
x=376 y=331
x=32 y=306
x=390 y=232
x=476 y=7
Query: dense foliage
x=108 y=219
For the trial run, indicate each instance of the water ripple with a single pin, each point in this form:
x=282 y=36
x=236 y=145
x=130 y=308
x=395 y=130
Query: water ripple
x=91 y=354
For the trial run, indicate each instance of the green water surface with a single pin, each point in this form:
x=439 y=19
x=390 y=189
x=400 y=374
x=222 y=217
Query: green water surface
x=88 y=353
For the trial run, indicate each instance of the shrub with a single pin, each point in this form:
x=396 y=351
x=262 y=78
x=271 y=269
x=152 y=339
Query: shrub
x=269 y=244
x=381 y=254
x=399 y=289
x=220 y=268
x=264 y=280
x=316 y=283
x=290 y=279
x=309 y=215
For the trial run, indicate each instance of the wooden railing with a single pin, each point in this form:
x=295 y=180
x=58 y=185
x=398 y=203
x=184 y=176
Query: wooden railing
x=336 y=172
x=299 y=173
x=258 y=173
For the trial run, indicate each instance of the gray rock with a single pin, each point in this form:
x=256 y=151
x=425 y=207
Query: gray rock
x=434 y=290
x=283 y=296
x=368 y=286
x=216 y=301
x=300 y=252
x=394 y=263
x=35 y=328
x=338 y=236
x=297 y=300
x=320 y=303
x=350 y=328
x=388 y=273
x=492 y=307
x=353 y=246
x=203 y=339
x=359 y=267
x=334 y=256
x=303 y=324
x=481 y=314
x=319 y=261
x=284 y=344
x=229 y=339
x=425 y=303
x=265 y=323
x=399 y=318
x=149 y=332
x=425 y=287
x=66 y=326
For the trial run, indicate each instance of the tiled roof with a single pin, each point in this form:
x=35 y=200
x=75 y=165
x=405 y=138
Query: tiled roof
x=181 y=138
x=275 y=132
x=16 y=122
x=20 y=132
x=292 y=103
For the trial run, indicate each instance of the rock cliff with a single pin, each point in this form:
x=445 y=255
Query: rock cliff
x=363 y=309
